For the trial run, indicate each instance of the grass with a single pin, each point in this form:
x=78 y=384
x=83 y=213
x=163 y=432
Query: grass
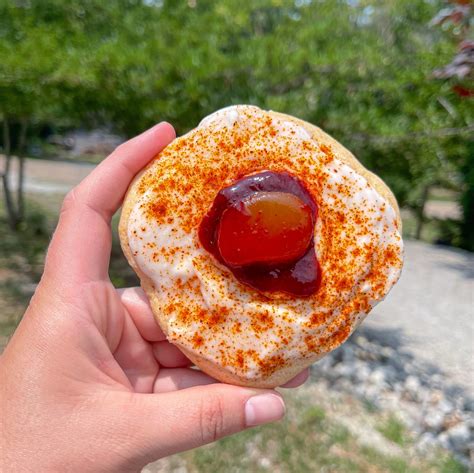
x=54 y=153
x=22 y=256
x=21 y=263
x=394 y=430
x=314 y=415
x=309 y=440
x=388 y=463
x=300 y=445
x=448 y=464
x=120 y=272
x=24 y=249
x=369 y=406
x=12 y=304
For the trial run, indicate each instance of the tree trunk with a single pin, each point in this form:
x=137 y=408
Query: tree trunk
x=420 y=212
x=21 y=171
x=10 y=207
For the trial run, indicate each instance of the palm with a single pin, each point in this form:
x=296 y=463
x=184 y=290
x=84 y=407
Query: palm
x=121 y=332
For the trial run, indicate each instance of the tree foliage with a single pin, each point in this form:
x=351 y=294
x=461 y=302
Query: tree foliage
x=361 y=69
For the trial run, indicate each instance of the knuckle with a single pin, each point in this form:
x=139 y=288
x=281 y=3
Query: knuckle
x=69 y=201
x=121 y=148
x=212 y=419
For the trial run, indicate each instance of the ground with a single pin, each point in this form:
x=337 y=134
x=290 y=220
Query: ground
x=431 y=309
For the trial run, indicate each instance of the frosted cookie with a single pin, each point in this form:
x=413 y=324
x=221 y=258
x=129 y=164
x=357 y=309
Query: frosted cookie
x=261 y=243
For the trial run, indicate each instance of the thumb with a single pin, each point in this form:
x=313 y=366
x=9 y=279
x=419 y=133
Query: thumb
x=173 y=422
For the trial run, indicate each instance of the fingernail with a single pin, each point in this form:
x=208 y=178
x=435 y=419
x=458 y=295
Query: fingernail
x=168 y=125
x=264 y=408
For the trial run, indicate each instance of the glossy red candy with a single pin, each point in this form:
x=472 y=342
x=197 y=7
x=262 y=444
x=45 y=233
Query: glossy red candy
x=266 y=228
x=261 y=228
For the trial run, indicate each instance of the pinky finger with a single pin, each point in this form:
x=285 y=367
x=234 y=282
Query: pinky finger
x=169 y=356
x=298 y=380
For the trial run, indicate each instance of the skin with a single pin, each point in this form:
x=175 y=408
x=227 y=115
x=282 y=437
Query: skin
x=88 y=381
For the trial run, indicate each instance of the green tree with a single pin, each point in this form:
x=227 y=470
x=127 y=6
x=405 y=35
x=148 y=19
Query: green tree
x=49 y=72
x=362 y=70
x=456 y=18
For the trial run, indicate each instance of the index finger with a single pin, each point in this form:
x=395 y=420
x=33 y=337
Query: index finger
x=82 y=242
x=103 y=189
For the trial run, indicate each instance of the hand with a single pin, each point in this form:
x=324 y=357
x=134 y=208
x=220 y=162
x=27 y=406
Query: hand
x=88 y=381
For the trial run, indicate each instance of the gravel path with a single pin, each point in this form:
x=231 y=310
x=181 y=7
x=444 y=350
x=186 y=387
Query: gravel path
x=57 y=177
x=430 y=311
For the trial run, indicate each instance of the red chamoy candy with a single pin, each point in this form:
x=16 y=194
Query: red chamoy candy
x=261 y=228
x=265 y=228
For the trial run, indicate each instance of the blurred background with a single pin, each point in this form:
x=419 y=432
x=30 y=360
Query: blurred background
x=390 y=79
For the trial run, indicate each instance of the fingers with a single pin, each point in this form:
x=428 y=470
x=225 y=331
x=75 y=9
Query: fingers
x=172 y=422
x=81 y=244
x=105 y=187
x=138 y=307
x=135 y=357
x=136 y=303
x=180 y=378
x=169 y=356
x=298 y=380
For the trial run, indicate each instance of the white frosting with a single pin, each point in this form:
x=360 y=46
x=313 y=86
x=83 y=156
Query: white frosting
x=215 y=286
